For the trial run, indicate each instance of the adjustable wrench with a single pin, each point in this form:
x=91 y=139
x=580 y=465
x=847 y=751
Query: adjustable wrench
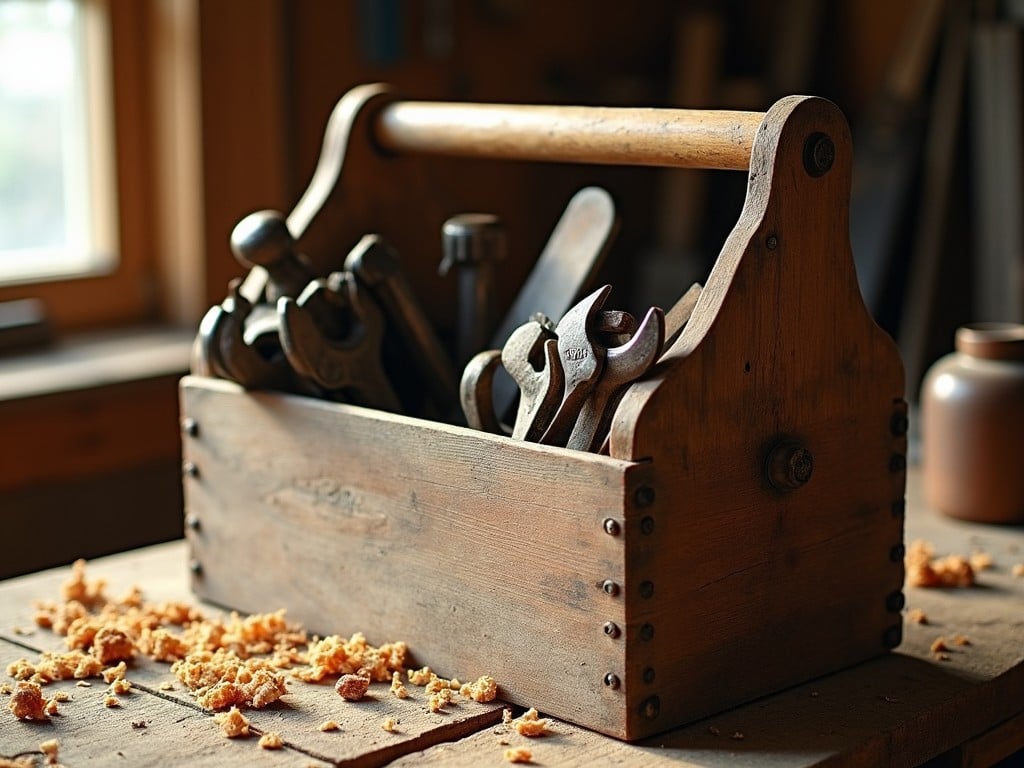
x=350 y=365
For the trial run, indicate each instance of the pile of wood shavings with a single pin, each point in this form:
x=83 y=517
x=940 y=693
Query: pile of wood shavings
x=239 y=661
x=926 y=570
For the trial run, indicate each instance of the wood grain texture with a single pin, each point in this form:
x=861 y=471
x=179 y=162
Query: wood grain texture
x=90 y=733
x=779 y=349
x=486 y=555
x=162 y=574
x=676 y=138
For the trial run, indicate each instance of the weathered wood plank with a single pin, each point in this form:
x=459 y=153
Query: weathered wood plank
x=147 y=730
x=900 y=710
x=486 y=554
x=161 y=571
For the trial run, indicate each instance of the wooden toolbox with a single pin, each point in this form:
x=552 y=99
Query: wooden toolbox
x=744 y=534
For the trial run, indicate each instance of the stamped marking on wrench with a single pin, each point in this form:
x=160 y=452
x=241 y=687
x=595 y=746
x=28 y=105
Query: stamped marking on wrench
x=582 y=361
x=541 y=385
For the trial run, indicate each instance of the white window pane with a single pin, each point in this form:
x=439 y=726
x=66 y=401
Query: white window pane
x=55 y=181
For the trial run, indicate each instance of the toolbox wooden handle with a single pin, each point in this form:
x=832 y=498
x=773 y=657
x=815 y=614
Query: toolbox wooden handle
x=674 y=138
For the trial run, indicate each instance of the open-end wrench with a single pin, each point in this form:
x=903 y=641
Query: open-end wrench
x=622 y=366
x=531 y=358
x=475 y=391
x=222 y=337
x=377 y=265
x=582 y=361
x=350 y=365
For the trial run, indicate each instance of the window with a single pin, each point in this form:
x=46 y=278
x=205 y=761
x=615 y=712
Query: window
x=57 y=191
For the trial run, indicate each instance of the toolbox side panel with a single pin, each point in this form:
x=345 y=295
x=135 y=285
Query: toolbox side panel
x=487 y=555
x=777 y=436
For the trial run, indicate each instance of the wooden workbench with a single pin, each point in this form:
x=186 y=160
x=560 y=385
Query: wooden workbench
x=902 y=709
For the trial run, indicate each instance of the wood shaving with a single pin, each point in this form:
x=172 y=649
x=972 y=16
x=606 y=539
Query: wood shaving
x=271 y=740
x=51 y=707
x=328 y=725
x=961 y=640
x=138 y=724
x=939 y=645
x=110 y=674
x=27 y=702
x=6 y=689
x=120 y=686
x=352 y=687
x=390 y=725
x=111 y=701
x=737 y=736
x=439 y=699
x=233 y=724
x=926 y=570
x=1018 y=570
x=917 y=616
x=483 y=689
x=529 y=724
x=50 y=748
x=398 y=687
x=980 y=561
x=518 y=755
x=420 y=676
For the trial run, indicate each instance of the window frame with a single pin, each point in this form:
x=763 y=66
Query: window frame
x=133 y=292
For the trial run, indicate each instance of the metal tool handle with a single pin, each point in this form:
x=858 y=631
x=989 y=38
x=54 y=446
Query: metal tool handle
x=674 y=138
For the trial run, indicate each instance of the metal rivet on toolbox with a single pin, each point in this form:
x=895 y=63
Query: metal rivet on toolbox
x=819 y=154
x=646 y=589
x=644 y=496
x=192 y=521
x=196 y=567
x=897 y=552
x=790 y=465
x=610 y=587
x=612 y=680
x=648 y=675
x=771 y=242
x=612 y=629
x=899 y=508
x=899 y=423
x=897 y=463
x=612 y=527
x=893 y=636
x=647 y=525
x=894 y=602
x=190 y=426
x=647 y=632
x=190 y=469
x=651 y=707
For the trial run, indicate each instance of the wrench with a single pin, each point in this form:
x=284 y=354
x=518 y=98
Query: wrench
x=350 y=365
x=475 y=391
x=582 y=361
x=222 y=338
x=541 y=382
x=377 y=265
x=262 y=239
x=622 y=366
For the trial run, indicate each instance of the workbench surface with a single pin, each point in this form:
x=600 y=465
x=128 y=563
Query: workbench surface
x=902 y=709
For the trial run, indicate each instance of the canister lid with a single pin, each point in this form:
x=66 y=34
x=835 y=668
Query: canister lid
x=991 y=341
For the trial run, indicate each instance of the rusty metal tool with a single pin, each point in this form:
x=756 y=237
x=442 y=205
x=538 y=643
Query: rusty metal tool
x=582 y=361
x=224 y=349
x=475 y=391
x=263 y=239
x=531 y=358
x=350 y=365
x=377 y=265
x=563 y=271
x=622 y=366
x=472 y=243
